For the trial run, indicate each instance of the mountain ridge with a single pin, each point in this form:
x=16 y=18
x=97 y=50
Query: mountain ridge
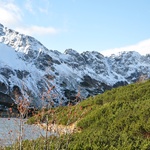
x=34 y=69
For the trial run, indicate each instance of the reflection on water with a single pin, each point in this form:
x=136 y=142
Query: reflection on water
x=10 y=131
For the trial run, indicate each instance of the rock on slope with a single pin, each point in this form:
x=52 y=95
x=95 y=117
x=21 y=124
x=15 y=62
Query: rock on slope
x=29 y=70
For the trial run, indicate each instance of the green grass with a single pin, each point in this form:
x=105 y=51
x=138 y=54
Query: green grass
x=119 y=119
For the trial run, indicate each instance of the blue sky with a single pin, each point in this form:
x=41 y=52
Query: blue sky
x=107 y=26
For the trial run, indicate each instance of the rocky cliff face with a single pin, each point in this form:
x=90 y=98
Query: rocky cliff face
x=31 y=71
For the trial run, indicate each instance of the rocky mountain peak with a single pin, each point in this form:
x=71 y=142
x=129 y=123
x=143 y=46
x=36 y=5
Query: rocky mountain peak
x=71 y=52
x=1 y=30
x=20 y=42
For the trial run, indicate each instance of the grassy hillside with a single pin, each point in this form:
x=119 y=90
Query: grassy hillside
x=119 y=119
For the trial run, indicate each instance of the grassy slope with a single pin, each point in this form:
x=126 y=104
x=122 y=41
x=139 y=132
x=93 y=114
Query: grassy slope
x=122 y=122
x=117 y=119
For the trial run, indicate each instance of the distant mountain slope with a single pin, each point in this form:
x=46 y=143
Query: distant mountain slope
x=28 y=69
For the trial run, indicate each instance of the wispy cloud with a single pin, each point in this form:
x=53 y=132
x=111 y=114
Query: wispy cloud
x=35 y=7
x=29 y=6
x=142 y=47
x=10 y=13
x=46 y=7
x=43 y=10
x=38 y=30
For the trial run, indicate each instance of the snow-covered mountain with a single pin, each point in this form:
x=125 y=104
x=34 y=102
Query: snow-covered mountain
x=29 y=70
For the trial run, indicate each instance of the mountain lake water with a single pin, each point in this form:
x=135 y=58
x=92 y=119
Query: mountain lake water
x=10 y=131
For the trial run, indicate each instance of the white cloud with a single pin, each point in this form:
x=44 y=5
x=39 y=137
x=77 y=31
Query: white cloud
x=142 y=47
x=38 y=30
x=11 y=15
